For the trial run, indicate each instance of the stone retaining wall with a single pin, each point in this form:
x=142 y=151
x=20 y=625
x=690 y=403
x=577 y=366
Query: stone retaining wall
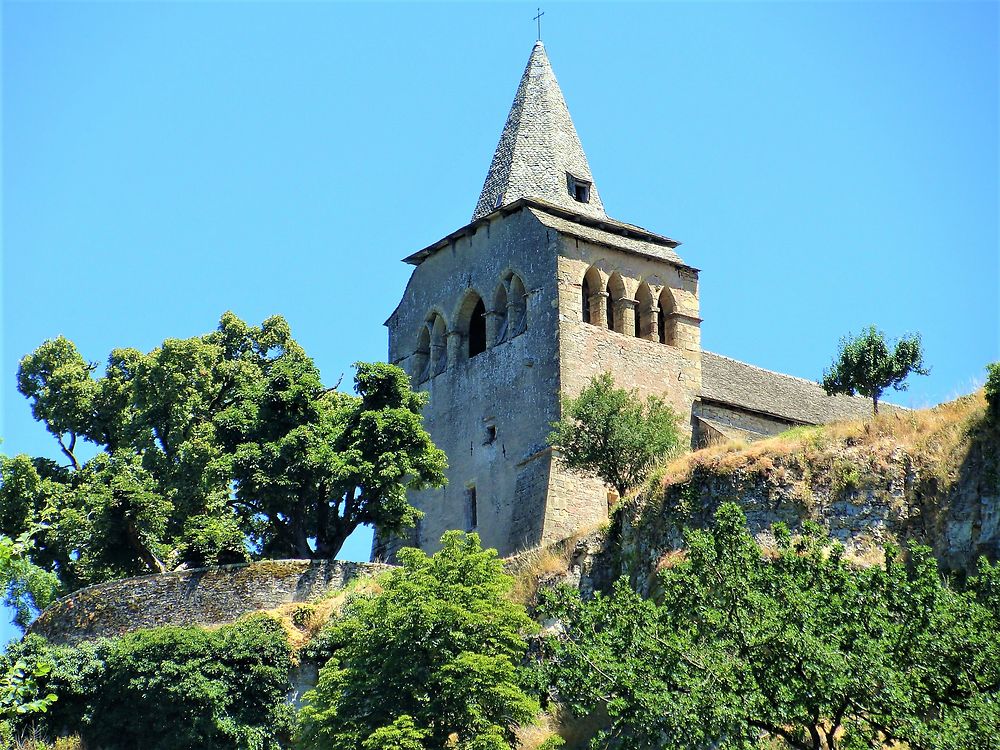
x=205 y=596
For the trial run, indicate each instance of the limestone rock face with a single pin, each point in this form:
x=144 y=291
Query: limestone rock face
x=867 y=485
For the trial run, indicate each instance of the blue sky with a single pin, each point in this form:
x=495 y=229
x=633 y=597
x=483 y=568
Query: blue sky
x=826 y=165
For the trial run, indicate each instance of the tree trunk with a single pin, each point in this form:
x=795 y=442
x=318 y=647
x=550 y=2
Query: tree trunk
x=322 y=534
x=302 y=548
x=336 y=540
x=145 y=554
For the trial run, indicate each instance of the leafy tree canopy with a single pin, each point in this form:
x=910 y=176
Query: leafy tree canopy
x=992 y=390
x=795 y=646
x=611 y=433
x=207 y=449
x=164 y=689
x=28 y=588
x=432 y=661
x=865 y=365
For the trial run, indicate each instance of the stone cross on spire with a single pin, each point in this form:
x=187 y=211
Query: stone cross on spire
x=539 y=154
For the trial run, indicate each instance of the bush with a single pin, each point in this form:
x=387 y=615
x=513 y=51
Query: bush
x=797 y=647
x=432 y=661
x=613 y=434
x=170 y=688
x=993 y=392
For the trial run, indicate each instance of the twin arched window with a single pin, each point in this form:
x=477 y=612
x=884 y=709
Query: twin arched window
x=607 y=306
x=431 y=355
x=478 y=327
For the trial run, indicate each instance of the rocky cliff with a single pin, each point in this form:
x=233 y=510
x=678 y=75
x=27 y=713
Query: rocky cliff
x=930 y=476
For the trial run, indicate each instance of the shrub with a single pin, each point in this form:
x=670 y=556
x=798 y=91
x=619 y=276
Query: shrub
x=432 y=661
x=170 y=688
x=993 y=392
x=796 y=646
x=613 y=434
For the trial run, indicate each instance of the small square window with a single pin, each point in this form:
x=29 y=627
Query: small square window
x=579 y=189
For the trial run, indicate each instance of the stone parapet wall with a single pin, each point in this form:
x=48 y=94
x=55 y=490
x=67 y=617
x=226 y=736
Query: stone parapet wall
x=205 y=596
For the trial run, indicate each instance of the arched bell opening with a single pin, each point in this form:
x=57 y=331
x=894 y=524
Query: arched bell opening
x=615 y=303
x=645 y=313
x=592 y=305
x=517 y=306
x=666 y=320
x=500 y=319
x=422 y=354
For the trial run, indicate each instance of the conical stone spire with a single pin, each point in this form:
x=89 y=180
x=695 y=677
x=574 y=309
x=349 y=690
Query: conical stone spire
x=539 y=154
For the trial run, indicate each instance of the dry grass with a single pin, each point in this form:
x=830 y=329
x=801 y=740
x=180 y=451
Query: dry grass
x=302 y=621
x=865 y=556
x=671 y=558
x=939 y=436
x=534 y=736
x=532 y=567
x=61 y=743
x=536 y=565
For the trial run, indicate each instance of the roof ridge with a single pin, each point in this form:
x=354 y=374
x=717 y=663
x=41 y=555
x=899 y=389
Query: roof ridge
x=763 y=369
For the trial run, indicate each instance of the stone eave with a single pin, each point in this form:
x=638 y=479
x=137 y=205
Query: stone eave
x=611 y=226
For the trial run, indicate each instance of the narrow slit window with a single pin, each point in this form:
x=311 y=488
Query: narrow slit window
x=471 y=511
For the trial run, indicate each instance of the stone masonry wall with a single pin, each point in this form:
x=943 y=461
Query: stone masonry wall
x=741 y=420
x=489 y=413
x=672 y=372
x=207 y=596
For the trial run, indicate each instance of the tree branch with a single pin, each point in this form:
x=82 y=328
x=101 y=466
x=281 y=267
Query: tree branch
x=68 y=451
x=778 y=731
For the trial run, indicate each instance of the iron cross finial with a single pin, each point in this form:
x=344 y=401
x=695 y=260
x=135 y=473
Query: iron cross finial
x=538 y=18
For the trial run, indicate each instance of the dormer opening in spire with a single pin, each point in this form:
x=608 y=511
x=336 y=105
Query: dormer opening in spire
x=578 y=188
x=539 y=154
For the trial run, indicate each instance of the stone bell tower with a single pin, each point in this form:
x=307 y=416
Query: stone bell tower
x=537 y=294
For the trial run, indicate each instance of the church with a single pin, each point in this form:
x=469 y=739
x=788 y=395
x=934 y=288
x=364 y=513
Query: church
x=537 y=294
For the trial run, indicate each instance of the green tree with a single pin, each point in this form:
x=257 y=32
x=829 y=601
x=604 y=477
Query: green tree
x=798 y=647
x=27 y=587
x=992 y=390
x=865 y=365
x=168 y=688
x=312 y=464
x=19 y=691
x=204 y=445
x=611 y=433
x=434 y=658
